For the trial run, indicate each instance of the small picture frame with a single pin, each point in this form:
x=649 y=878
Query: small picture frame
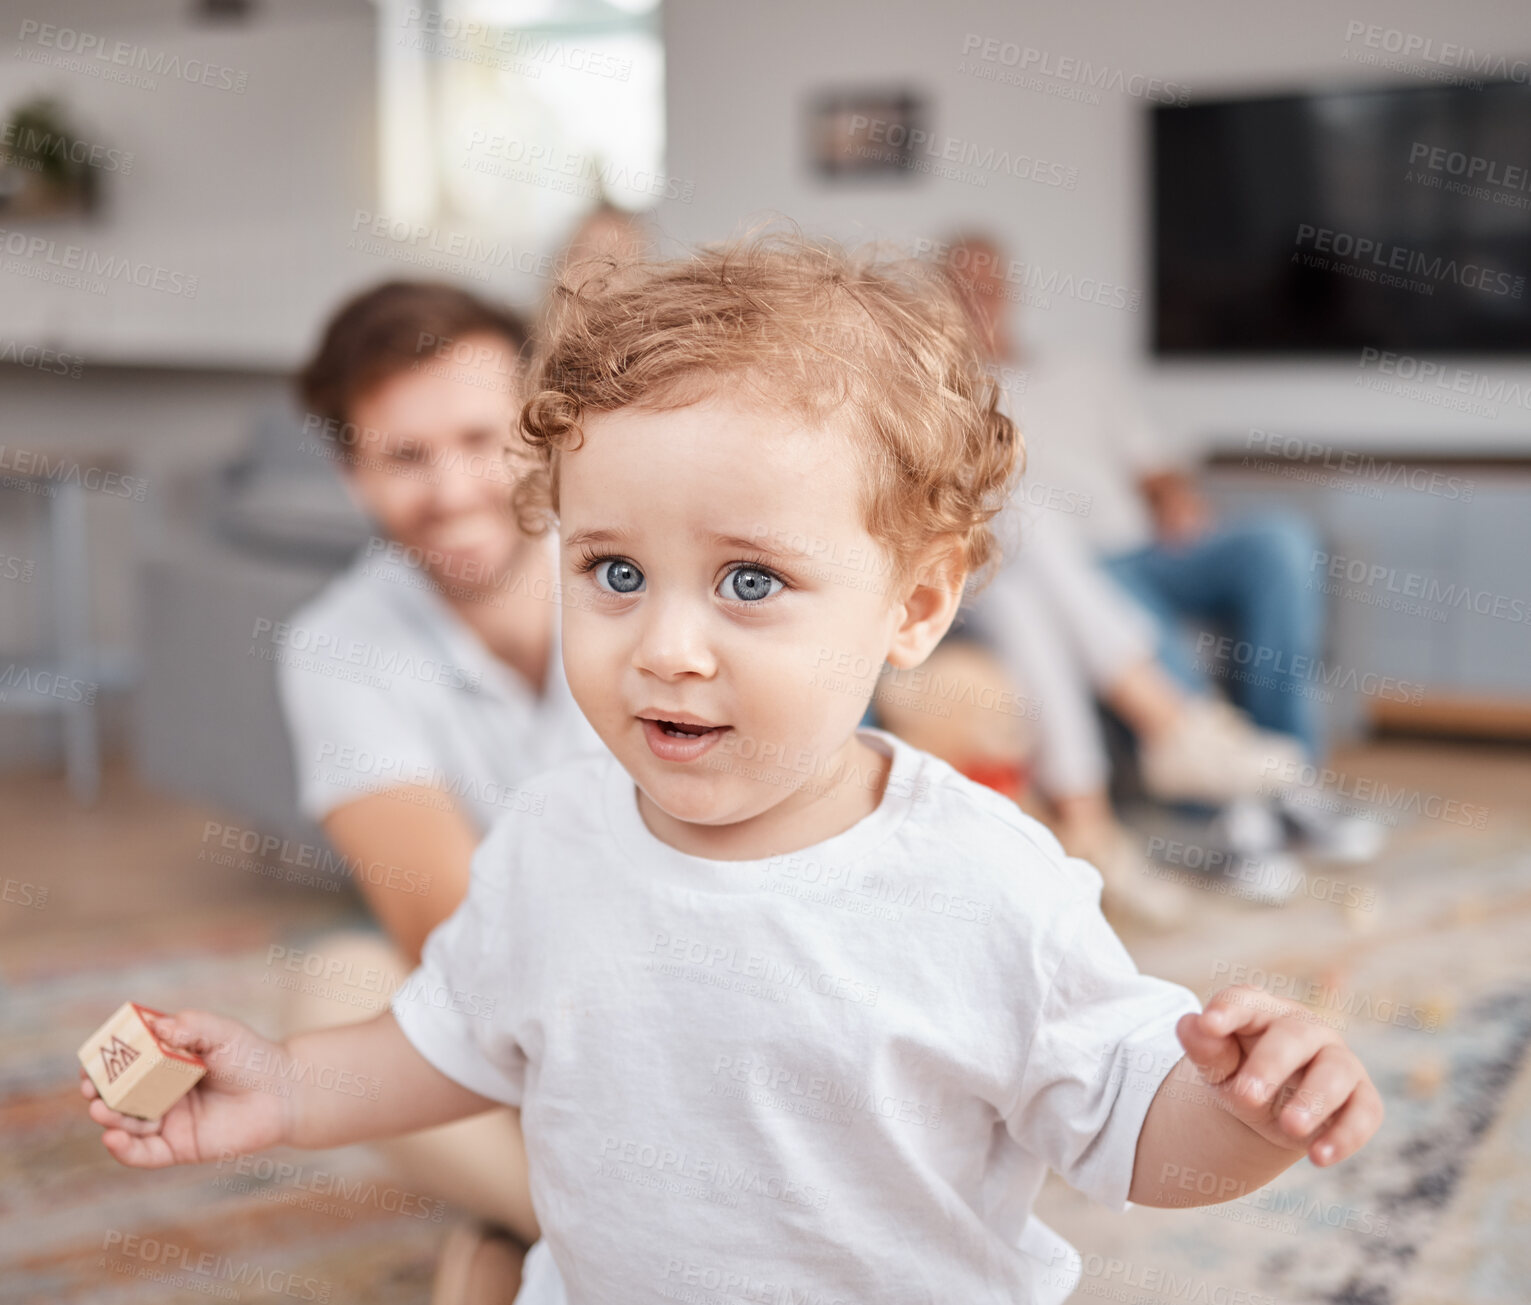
x=865 y=134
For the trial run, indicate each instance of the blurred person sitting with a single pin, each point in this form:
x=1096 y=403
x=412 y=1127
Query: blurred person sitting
x=1075 y=618
x=1149 y=525
x=415 y=386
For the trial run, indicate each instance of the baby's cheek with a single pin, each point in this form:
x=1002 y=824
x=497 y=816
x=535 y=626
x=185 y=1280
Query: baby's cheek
x=585 y=661
x=827 y=706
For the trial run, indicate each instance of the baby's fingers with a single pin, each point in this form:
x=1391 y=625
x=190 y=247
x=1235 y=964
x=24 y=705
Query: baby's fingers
x=1288 y=1047
x=1325 y=1086
x=149 y=1152
x=1215 y=1054
x=197 y=1031
x=87 y=1088
x=103 y=1114
x=1352 y=1127
x=1242 y=1010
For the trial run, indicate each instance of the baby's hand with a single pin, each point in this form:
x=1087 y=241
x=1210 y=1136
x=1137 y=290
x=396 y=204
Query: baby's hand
x=1281 y=1073
x=240 y=1105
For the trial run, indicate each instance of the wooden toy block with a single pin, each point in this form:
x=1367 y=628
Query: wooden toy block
x=135 y=1073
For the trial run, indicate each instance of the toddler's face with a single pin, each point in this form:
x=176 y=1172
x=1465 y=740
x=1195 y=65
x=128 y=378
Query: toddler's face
x=715 y=569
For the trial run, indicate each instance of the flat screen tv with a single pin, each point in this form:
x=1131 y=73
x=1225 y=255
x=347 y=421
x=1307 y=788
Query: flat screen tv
x=1396 y=219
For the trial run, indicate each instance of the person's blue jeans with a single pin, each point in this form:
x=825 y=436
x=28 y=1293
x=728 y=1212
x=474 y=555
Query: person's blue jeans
x=1254 y=580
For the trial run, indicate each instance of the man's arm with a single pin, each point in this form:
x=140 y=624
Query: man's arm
x=423 y=853
x=1262 y=1082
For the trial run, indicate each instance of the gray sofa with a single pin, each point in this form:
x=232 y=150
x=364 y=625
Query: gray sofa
x=233 y=544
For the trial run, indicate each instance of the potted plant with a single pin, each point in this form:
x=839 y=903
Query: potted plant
x=45 y=168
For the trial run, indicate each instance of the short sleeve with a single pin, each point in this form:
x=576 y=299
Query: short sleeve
x=349 y=739
x=453 y=1006
x=1104 y=1042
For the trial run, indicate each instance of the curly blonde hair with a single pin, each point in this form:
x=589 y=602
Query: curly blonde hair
x=801 y=326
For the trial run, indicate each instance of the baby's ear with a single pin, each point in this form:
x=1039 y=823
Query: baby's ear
x=929 y=605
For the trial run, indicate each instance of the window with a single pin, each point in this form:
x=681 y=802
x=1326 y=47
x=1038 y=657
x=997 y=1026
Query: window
x=511 y=119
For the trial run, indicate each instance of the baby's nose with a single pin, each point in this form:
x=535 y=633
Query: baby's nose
x=675 y=637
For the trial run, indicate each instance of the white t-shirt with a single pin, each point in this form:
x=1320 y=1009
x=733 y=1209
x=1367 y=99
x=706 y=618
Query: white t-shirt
x=1088 y=441
x=383 y=685
x=838 y=1074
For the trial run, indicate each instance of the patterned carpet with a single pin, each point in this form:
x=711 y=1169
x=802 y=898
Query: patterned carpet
x=1433 y=990
x=76 y=1226
x=1433 y=984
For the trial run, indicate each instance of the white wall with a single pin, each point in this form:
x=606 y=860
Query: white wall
x=252 y=192
x=739 y=75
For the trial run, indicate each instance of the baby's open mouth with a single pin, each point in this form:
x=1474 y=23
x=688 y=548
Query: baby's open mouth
x=686 y=731
x=682 y=729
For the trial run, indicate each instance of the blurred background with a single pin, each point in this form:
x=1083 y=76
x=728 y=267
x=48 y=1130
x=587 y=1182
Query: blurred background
x=1298 y=238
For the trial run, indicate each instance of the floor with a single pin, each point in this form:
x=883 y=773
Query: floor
x=1422 y=956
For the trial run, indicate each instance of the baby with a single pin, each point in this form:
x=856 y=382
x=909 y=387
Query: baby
x=793 y=1011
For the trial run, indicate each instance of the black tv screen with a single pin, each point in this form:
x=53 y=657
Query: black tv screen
x=1395 y=219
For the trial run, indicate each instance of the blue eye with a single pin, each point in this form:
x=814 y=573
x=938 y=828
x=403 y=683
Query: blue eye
x=750 y=584
x=623 y=576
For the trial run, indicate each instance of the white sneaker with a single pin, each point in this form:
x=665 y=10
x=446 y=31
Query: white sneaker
x=1328 y=830
x=1248 y=827
x=1213 y=755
